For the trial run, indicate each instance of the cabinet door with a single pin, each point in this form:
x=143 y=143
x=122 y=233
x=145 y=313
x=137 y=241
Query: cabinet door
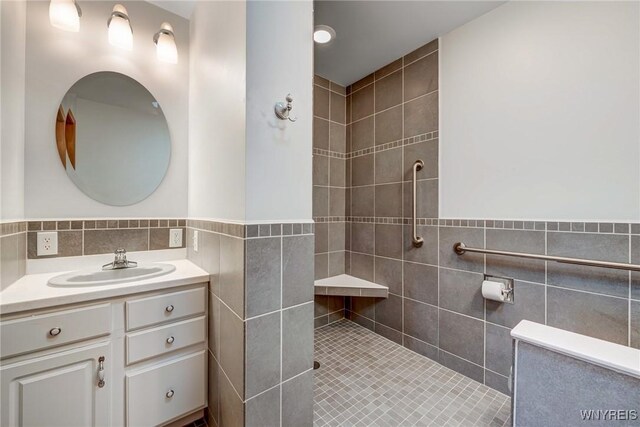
x=60 y=389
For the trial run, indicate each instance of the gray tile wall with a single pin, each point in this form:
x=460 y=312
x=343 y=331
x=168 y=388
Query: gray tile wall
x=392 y=118
x=435 y=306
x=543 y=376
x=79 y=237
x=330 y=191
x=260 y=322
x=13 y=252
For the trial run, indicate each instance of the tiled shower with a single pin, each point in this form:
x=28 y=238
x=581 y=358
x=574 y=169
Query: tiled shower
x=362 y=202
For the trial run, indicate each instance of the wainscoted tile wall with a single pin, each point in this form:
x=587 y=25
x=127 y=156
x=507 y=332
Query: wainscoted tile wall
x=435 y=306
x=440 y=313
x=260 y=324
x=330 y=187
x=13 y=252
x=90 y=237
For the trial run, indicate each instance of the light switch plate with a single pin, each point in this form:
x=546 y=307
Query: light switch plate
x=175 y=238
x=195 y=240
x=48 y=243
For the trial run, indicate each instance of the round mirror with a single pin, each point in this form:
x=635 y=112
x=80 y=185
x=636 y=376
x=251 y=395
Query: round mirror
x=112 y=138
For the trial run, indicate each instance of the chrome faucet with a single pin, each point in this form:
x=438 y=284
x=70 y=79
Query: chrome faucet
x=120 y=261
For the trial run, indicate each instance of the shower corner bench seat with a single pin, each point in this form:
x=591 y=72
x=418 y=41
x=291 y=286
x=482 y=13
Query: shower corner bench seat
x=346 y=285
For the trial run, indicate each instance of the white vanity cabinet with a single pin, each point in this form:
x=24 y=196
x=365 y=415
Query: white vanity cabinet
x=160 y=387
x=135 y=361
x=59 y=389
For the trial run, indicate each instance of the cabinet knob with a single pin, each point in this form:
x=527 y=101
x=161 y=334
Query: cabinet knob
x=169 y=394
x=169 y=308
x=170 y=340
x=55 y=331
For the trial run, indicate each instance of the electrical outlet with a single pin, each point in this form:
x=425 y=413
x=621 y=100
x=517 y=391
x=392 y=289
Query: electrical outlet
x=48 y=243
x=195 y=240
x=175 y=238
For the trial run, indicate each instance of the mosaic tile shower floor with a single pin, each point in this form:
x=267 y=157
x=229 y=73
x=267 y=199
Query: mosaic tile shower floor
x=367 y=380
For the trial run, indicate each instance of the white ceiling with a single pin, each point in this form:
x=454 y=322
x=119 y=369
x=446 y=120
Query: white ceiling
x=182 y=8
x=371 y=34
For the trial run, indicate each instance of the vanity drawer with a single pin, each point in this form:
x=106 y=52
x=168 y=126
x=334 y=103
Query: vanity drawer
x=53 y=329
x=164 y=308
x=165 y=339
x=167 y=391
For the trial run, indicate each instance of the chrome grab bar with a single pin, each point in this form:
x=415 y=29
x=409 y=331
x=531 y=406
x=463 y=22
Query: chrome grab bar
x=460 y=248
x=417 y=241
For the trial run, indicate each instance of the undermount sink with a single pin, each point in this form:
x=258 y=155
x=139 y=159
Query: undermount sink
x=111 y=277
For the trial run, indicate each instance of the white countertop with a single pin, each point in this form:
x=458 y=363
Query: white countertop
x=599 y=352
x=32 y=292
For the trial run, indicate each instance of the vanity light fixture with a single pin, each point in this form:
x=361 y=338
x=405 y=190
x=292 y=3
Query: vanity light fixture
x=120 y=32
x=165 y=41
x=323 y=34
x=65 y=14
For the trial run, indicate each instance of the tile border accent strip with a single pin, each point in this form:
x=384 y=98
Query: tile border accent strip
x=7 y=228
x=429 y=136
x=250 y=231
x=270 y=230
x=328 y=153
x=103 y=224
x=230 y=229
x=527 y=225
x=563 y=226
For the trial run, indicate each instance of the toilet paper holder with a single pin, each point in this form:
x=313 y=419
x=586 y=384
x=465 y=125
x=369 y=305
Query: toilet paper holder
x=508 y=290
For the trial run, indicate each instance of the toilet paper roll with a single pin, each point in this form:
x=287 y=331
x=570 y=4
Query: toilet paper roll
x=493 y=290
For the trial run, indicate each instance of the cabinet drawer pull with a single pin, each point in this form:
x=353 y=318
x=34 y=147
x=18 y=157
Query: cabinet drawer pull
x=169 y=308
x=55 y=331
x=169 y=394
x=170 y=340
x=101 y=372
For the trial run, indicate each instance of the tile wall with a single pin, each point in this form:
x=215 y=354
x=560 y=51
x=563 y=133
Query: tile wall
x=435 y=306
x=13 y=252
x=543 y=375
x=260 y=321
x=90 y=237
x=330 y=191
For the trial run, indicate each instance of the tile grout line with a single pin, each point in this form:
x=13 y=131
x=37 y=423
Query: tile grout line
x=375 y=233
x=402 y=201
x=281 y=319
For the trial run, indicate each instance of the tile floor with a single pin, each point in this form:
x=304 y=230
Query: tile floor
x=367 y=380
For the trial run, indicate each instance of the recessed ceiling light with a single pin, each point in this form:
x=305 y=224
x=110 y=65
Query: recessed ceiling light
x=323 y=34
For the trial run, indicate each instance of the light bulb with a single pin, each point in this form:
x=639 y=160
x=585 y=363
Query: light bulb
x=120 y=33
x=64 y=14
x=165 y=41
x=323 y=34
